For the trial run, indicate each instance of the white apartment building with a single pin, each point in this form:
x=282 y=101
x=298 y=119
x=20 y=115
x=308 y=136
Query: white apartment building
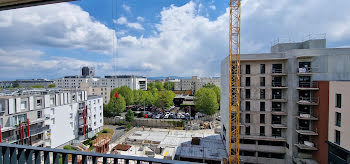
x=53 y=116
x=195 y=83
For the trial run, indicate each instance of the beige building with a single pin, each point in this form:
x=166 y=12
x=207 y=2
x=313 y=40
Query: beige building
x=339 y=122
x=103 y=91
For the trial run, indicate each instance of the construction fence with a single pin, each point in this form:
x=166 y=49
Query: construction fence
x=155 y=123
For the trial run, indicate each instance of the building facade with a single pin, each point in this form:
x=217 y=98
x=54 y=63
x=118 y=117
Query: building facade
x=280 y=96
x=195 y=83
x=26 y=83
x=49 y=113
x=103 y=91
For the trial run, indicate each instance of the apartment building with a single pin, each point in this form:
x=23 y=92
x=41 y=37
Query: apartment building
x=280 y=96
x=87 y=76
x=103 y=91
x=195 y=83
x=39 y=117
x=26 y=83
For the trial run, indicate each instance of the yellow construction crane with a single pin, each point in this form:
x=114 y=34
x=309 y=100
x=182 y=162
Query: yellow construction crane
x=234 y=76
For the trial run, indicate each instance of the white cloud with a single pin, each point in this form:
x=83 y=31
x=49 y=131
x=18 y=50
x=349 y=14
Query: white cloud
x=141 y=19
x=212 y=7
x=123 y=21
x=61 y=25
x=126 y=8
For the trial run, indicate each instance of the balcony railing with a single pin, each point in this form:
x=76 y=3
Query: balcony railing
x=278 y=84
x=11 y=153
x=306 y=70
x=277 y=71
x=312 y=84
x=308 y=100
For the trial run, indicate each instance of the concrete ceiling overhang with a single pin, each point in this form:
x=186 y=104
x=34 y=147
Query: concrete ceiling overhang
x=14 y=4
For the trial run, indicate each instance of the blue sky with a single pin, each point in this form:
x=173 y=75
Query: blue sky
x=154 y=37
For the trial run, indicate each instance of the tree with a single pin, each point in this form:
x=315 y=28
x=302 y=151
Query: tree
x=159 y=85
x=129 y=116
x=150 y=85
x=205 y=101
x=52 y=86
x=37 y=86
x=169 y=85
x=115 y=106
x=126 y=92
x=139 y=97
x=215 y=88
x=165 y=99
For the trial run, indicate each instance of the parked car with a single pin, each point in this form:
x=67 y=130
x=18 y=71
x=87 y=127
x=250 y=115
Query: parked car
x=166 y=116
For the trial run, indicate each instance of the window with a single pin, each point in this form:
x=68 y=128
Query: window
x=247 y=118
x=262 y=130
x=262 y=118
x=337 y=137
x=38 y=102
x=247 y=81
x=94 y=116
x=52 y=100
x=338 y=100
x=262 y=68
x=276 y=132
x=94 y=123
x=262 y=93
x=262 y=81
x=338 y=119
x=247 y=69
x=247 y=105
x=100 y=120
x=53 y=120
x=247 y=130
x=23 y=104
x=262 y=106
x=247 y=93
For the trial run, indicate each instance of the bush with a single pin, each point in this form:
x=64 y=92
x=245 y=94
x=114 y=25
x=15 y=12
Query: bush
x=129 y=126
x=68 y=147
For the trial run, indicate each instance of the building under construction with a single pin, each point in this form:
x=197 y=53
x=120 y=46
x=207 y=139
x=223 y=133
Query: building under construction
x=280 y=101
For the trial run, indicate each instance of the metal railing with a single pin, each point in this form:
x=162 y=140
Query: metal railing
x=278 y=84
x=11 y=153
x=277 y=70
x=313 y=100
x=307 y=70
x=312 y=84
x=278 y=97
x=276 y=109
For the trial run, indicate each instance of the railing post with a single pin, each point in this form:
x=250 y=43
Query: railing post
x=1 y=155
x=105 y=160
x=29 y=156
x=84 y=159
x=94 y=159
x=46 y=157
x=56 y=158
x=21 y=155
x=126 y=161
x=65 y=158
x=115 y=160
x=74 y=159
x=13 y=155
x=37 y=157
x=7 y=155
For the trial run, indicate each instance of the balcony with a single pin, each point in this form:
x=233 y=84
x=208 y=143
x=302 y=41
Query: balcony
x=308 y=86
x=258 y=136
x=306 y=117
x=262 y=148
x=278 y=111
x=308 y=101
x=251 y=159
x=279 y=125
x=306 y=131
x=278 y=72
x=27 y=154
x=278 y=98
x=306 y=145
x=39 y=130
x=306 y=71
x=278 y=85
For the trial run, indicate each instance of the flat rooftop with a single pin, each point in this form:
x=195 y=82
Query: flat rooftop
x=175 y=144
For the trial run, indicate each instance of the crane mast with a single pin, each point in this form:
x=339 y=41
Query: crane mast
x=234 y=83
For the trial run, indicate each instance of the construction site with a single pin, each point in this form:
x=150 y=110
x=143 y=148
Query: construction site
x=204 y=146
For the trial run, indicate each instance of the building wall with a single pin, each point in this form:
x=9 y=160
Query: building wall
x=343 y=88
x=322 y=112
x=224 y=102
x=95 y=113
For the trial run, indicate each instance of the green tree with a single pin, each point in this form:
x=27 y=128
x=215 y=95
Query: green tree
x=150 y=85
x=215 y=88
x=126 y=92
x=205 y=101
x=139 y=97
x=52 y=86
x=115 y=106
x=159 y=85
x=149 y=98
x=169 y=85
x=129 y=116
x=37 y=86
x=165 y=99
